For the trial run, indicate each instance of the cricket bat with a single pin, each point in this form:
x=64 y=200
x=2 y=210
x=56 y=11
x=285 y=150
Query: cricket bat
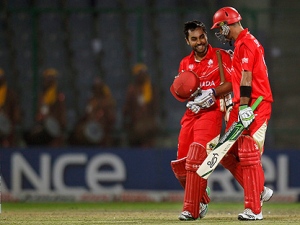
x=222 y=77
x=223 y=146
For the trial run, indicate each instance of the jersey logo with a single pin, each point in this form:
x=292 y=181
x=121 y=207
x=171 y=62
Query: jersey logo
x=210 y=62
x=245 y=60
x=191 y=66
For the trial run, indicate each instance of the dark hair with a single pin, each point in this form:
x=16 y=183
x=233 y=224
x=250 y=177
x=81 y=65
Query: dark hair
x=192 y=25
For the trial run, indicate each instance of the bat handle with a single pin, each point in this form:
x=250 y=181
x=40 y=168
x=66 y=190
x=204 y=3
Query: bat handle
x=257 y=102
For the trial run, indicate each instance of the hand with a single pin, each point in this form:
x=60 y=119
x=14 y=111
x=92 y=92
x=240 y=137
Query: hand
x=193 y=107
x=206 y=99
x=246 y=115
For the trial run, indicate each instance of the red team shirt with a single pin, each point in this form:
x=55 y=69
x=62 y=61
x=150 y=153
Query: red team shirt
x=207 y=124
x=207 y=69
x=249 y=55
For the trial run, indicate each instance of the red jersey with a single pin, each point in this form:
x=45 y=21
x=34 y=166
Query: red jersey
x=206 y=125
x=249 y=56
x=208 y=70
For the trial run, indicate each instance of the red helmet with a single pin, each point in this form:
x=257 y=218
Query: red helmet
x=185 y=85
x=228 y=15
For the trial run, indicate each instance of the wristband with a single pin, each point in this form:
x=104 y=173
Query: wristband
x=214 y=92
x=245 y=91
x=241 y=107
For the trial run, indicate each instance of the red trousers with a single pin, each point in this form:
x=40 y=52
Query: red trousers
x=200 y=128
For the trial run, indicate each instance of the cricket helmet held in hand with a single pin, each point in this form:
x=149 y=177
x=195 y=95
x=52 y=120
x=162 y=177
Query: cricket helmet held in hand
x=186 y=85
x=228 y=15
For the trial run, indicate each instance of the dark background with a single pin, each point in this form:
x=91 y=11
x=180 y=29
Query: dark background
x=85 y=39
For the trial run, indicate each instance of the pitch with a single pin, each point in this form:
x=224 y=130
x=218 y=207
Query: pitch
x=136 y=213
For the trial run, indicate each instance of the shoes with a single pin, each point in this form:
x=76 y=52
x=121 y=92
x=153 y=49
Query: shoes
x=203 y=210
x=204 y=207
x=186 y=216
x=249 y=215
x=266 y=195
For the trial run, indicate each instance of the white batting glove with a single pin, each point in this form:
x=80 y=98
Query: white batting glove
x=246 y=115
x=206 y=99
x=193 y=107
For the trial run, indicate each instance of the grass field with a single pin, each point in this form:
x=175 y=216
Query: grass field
x=137 y=213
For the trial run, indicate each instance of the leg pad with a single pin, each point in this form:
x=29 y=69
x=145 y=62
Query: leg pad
x=195 y=185
x=252 y=172
x=178 y=167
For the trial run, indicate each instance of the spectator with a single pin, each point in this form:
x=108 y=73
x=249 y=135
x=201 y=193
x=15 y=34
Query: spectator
x=140 y=109
x=50 y=120
x=10 y=113
x=96 y=126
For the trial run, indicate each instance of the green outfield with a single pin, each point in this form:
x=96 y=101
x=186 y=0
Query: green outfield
x=137 y=213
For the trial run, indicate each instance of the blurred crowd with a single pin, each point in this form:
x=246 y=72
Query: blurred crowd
x=97 y=124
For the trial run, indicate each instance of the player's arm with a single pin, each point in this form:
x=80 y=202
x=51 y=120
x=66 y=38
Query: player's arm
x=247 y=62
x=246 y=115
x=245 y=87
x=223 y=89
x=225 y=73
x=208 y=97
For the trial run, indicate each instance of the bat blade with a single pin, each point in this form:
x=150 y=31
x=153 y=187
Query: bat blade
x=220 y=150
x=223 y=146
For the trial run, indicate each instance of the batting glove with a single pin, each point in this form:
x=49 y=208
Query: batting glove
x=246 y=115
x=206 y=99
x=193 y=107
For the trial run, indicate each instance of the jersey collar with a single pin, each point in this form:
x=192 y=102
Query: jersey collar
x=243 y=34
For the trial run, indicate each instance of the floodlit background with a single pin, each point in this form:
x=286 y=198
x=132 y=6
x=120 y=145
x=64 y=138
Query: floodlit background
x=85 y=39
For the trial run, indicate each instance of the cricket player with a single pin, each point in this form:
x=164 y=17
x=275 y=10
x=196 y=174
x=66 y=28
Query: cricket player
x=249 y=81
x=199 y=83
